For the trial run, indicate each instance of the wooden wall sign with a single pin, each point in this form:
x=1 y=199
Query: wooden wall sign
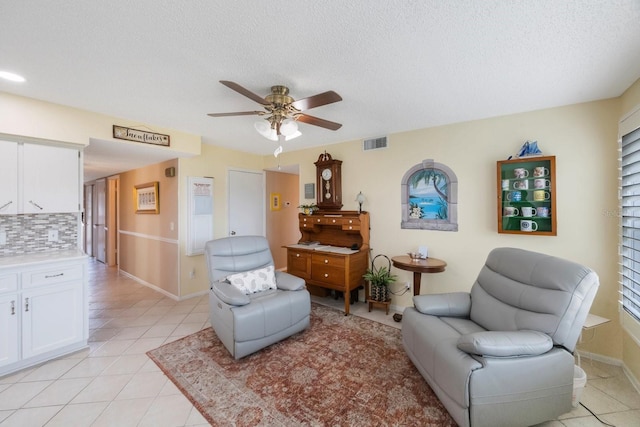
x=121 y=132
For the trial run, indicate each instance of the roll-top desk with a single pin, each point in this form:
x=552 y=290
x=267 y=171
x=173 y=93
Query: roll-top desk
x=333 y=251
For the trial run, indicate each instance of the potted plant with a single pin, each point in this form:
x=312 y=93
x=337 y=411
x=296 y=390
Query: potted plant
x=308 y=209
x=380 y=279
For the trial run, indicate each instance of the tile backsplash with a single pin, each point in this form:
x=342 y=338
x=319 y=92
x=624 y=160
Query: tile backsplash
x=29 y=233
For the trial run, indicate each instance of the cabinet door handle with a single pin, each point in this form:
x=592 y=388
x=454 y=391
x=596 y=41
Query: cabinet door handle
x=6 y=204
x=54 y=275
x=35 y=204
x=13 y=308
x=26 y=304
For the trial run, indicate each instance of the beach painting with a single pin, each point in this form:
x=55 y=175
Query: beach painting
x=428 y=195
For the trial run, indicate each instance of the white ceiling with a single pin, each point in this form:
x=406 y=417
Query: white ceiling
x=398 y=64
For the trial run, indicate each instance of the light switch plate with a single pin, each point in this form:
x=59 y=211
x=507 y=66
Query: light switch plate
x=52 y=236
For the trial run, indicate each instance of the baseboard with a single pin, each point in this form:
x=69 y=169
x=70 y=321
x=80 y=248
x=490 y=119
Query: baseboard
x=615 y=362
x=149 y=285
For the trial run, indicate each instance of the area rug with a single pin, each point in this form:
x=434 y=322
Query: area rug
x=341 y=371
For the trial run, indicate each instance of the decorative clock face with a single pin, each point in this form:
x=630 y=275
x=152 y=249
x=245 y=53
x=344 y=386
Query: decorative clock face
x=326 y=174
x=329 y=182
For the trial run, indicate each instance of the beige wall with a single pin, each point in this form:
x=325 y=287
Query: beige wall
x=149 y=242
x=30 y=118
x=583 y=139
x=213 y=162
x=282 y=225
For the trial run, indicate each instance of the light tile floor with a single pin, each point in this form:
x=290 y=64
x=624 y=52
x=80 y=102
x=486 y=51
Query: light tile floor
x=114 y=383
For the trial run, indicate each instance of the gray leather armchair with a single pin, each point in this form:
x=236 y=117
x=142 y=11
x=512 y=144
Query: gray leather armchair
x=502 y=354
x=246 y=323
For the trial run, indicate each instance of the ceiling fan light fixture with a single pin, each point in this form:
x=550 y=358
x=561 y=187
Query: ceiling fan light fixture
x=289 y=127
x=264 y=128
x=294 y=135
x=12 y=77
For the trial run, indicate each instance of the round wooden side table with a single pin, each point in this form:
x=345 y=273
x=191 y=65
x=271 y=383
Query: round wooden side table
x=418 y=266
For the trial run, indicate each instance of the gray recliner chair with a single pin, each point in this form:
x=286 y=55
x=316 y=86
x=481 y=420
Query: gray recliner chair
x=249 y=316
x=502 y=355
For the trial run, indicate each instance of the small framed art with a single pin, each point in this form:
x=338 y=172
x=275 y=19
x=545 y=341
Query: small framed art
x=146 y=198
x=275 y=201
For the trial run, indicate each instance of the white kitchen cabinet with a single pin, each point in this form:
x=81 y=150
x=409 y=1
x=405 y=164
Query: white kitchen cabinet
x=52 y=318
x=50 y=179
x=39 y=178
x=9 y=178
x=9 y=313
x=44 y=310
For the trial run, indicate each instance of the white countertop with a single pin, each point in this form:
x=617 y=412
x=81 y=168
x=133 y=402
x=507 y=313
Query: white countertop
x=41 y=257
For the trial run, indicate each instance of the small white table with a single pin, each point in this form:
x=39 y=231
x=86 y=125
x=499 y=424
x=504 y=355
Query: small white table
x=592 y=322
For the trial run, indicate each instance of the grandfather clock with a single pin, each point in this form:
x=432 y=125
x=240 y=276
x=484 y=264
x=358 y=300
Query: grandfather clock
x=329 y=182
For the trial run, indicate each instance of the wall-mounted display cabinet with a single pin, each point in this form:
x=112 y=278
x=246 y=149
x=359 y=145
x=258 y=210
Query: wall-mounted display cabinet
x=527 y=196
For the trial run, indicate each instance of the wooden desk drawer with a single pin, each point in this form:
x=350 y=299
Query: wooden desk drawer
x=328 y=260
x=299 y=263
x=346 y=227
x=328 y=274
x=327 y=268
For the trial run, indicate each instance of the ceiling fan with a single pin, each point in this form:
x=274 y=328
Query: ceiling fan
x=282 y=111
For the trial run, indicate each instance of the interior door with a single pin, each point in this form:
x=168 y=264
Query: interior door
x=87 y=220
x=99 y=216
x=246 y=203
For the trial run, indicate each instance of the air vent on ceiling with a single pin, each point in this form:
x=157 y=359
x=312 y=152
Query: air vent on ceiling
x=374 y=143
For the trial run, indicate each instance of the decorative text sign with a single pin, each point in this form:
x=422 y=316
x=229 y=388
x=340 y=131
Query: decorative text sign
x=121 y=132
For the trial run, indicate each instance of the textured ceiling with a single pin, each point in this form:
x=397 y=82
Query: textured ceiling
x=398 y=64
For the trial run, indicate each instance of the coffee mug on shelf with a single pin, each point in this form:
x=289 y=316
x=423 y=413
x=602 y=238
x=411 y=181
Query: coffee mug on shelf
x=505 y=184
x=510 y=211
x=542 y=211
x=540 y=171
x=521 y=185
x=520 y=173
x=541 y=183
x=528 y=211
x=514 y=196
x=540 y=195
x=528 y=225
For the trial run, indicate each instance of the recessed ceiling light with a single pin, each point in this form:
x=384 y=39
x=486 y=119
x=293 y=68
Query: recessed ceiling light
x=11 y=77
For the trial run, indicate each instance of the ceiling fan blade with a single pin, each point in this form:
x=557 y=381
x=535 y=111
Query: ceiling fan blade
x=305 y=118
x=318 y=100
x=245 y=92
x=240 y=113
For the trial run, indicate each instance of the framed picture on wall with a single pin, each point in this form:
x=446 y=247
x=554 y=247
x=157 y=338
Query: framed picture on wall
x=146 y=198
x=275 y=201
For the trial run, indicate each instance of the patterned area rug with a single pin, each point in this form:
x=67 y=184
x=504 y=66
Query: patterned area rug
x=341 y=371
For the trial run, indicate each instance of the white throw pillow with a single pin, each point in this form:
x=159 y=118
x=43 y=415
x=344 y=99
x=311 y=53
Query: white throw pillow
x=253 y=281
